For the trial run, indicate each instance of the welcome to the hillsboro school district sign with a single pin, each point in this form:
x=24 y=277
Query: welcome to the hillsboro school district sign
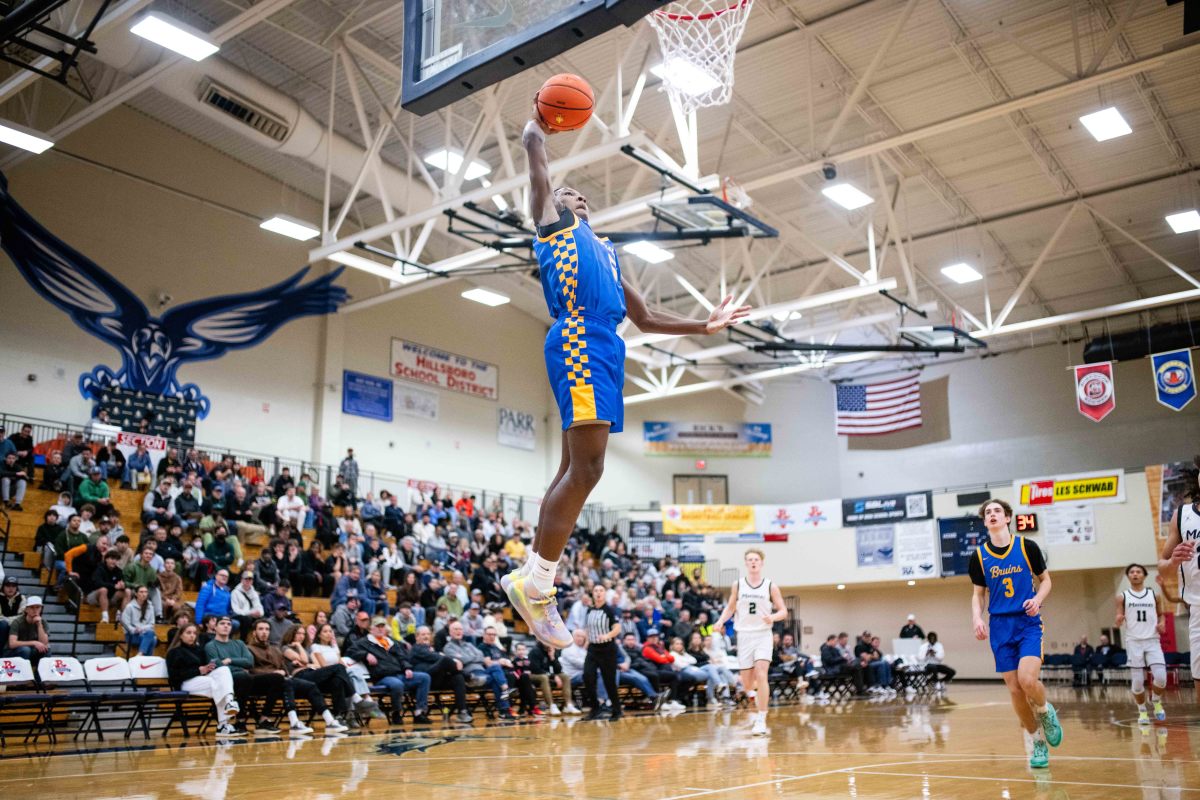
x=420 y=363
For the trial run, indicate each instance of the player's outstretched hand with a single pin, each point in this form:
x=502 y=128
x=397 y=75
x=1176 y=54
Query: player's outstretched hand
x=725 y=316
x=980 y=630
x=536 y=120
x=1184 y=551
x=1032 y=607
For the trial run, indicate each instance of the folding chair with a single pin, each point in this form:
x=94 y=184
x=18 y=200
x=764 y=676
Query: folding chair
x=106 y=672
x=156 y=695
x=18 y=673
x=64 y=673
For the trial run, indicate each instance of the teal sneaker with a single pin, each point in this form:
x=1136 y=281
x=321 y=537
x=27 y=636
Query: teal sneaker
x=1050 y=726
x=1041 y=755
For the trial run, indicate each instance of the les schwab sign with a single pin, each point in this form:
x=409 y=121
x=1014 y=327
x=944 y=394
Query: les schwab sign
x=419 y=363
x=1085 y=487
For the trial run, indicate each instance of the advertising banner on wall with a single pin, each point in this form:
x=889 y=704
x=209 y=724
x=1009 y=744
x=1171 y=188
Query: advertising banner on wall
x=916 y=549
x=798 y=517
x=697 y=439
x=366 y=396
x=708 y=519
x=516 y=429
x=410 y=401
x=419 y=363
x=876 y=545
x=1107 y=486
x=887 y=508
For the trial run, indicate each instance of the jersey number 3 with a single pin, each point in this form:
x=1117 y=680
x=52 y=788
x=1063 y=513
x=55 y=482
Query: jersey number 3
x=1008 y=588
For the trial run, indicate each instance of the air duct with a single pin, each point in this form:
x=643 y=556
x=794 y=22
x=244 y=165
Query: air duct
x=1139 y=343
x=244 y=104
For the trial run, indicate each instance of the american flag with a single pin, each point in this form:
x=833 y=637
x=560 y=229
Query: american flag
x=864 y=409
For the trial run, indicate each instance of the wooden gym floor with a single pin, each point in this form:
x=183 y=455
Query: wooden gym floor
x=964 y=746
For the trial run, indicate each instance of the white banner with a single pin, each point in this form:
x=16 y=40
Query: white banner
x=430 y=366
x=156 y=447
x=916 y=549
x=1068 y=524
x=516 y=429
x=414 y=402
x=798 y=517
x=1106 y=486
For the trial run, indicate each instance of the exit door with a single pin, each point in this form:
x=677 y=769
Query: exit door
x=707 y=490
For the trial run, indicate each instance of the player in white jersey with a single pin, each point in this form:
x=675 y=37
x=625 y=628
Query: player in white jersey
x=1180 y=553
x=1140 y=610
x=755 y=604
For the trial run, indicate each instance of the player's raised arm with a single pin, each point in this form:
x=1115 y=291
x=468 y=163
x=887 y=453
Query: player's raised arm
x=541 y=193
x=658 y=321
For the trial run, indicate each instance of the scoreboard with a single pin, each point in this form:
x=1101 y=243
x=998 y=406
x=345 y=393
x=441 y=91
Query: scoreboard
x=959 y=537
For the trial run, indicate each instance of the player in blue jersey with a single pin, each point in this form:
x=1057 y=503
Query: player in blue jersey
x=1006 y=567
x=585 y=361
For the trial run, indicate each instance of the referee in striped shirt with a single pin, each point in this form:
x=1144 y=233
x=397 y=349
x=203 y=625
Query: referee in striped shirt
x=603 y=627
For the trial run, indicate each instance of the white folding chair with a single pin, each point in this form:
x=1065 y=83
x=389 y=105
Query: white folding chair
x=107 y=677
x=18 y=673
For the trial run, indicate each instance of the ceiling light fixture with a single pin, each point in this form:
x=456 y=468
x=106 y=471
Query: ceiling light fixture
x=912 y=583
x=1106 y=124
x=847 y=196
x=841 y=586
x=24 y=138
x=291 y=227
x=485 y=296
x=451 y=160
x=1184 y=221
x=685 y=76
x=175 y=36
x=962 y=272
x=367 y=265
x=648 y=251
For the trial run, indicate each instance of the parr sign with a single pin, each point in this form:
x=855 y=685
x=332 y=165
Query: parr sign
x=1096 y=487
x=420 y=363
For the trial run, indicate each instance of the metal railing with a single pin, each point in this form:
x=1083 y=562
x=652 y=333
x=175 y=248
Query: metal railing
x=512 y=504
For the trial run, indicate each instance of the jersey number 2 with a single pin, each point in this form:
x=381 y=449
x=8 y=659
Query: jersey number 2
x=753 y=608
x=1008 y=588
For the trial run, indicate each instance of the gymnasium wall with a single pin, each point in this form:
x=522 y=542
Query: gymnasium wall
x=283 y=396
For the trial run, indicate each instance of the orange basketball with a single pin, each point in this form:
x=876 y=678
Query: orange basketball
x=565 y=102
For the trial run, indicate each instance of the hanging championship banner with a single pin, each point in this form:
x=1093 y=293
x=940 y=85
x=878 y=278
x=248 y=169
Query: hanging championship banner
x=1174 y=381
x=1095 y=394
x=708 y=519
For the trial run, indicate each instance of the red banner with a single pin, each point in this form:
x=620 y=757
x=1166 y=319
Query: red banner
x=1095 y=393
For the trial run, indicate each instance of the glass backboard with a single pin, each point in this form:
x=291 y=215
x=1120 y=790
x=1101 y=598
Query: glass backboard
x=453 y=48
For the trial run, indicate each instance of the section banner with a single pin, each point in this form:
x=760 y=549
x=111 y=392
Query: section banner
x=1107 y=486
x=876 y=545
x=887 y=508
x=430 y=366
x=745 y=439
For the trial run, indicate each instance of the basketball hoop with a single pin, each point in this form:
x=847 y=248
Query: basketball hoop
x=733 y=193
x=699 y=39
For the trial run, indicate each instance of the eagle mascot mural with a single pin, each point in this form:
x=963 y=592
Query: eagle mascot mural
x=152 y=348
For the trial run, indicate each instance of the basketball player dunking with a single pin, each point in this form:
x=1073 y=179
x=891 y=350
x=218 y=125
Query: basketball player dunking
x=1140 y=610
x=756 y=604
x=1180 y=553
x=1005 y=567
x=585 y=359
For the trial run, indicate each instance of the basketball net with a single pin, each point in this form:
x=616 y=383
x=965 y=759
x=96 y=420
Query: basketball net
x=699 y=39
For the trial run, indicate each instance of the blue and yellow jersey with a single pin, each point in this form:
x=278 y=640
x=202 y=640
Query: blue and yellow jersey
x=580 y=272
x=585 y=358
x=1008 y=574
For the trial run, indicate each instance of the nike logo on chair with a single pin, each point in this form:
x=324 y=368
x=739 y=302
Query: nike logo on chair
x=102 y=667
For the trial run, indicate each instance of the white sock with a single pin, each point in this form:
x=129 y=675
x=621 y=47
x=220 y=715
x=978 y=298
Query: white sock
x=543 y=574
x=356 y=699
x=328 y=717
x=1041 y=709
x=526 y=569
x=293 y=719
